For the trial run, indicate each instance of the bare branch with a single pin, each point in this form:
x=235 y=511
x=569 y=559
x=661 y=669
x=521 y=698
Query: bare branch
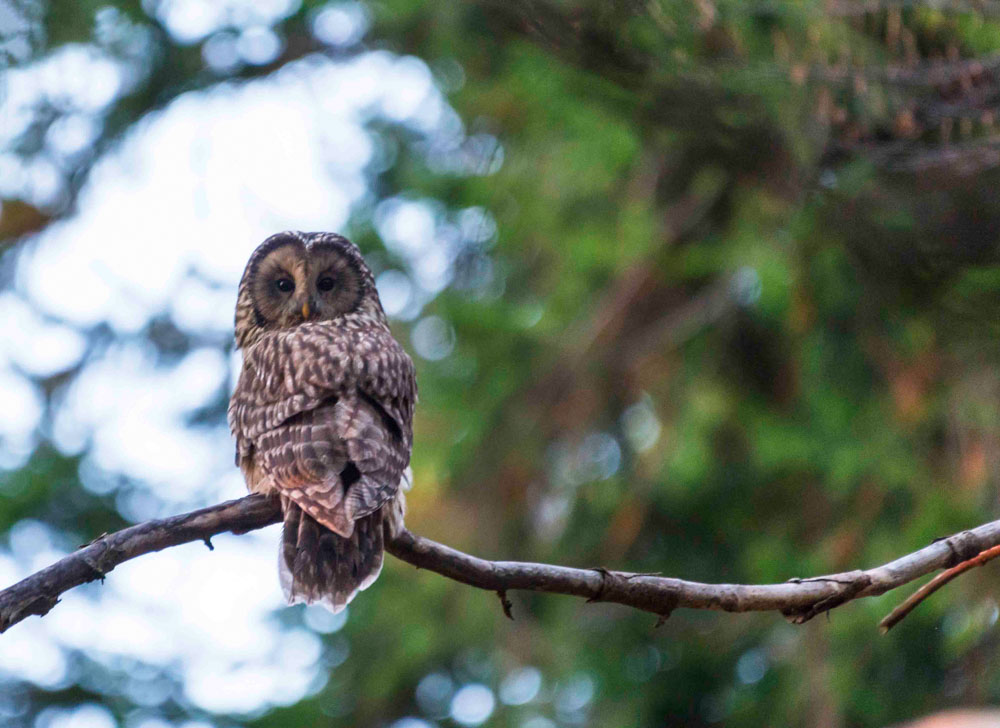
x=40 y=592
x=798 y=599
x=896 y=615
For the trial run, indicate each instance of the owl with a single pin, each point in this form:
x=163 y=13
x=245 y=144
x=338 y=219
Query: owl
x=322 y=412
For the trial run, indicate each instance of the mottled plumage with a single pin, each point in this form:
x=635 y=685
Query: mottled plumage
x=323 y=410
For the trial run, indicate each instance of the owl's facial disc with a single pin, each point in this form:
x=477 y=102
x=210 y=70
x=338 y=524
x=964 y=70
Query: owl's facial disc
x=280 y=290
x=294 y=277
x=335 y=283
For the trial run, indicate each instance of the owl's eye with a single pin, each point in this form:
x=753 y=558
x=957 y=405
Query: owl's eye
x=325 y=283
x=285 y=285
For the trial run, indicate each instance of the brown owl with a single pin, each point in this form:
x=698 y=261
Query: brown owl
x=322 y=411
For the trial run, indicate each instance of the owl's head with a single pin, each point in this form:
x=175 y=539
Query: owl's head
x=294 y=277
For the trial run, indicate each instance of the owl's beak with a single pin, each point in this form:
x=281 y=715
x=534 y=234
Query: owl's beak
x=305 y=309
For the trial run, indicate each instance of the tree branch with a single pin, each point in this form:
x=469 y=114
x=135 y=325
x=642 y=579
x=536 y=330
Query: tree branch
x=899 y=613
x=798 y=599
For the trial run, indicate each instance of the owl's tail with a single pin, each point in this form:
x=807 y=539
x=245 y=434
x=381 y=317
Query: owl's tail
x=317 y=566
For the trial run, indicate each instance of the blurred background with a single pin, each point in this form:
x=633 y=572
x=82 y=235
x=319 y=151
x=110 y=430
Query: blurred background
x=707 y=288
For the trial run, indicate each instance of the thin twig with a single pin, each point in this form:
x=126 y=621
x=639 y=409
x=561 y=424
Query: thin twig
x=896 y=615
x=799 y=599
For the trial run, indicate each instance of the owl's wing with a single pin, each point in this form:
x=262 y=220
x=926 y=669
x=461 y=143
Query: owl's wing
x=324 y=415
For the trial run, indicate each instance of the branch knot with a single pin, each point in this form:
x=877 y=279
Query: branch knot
x=606 y=576
x=851 y=584
x=963 y=546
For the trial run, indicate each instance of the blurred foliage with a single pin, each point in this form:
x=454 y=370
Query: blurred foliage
x=738 y=323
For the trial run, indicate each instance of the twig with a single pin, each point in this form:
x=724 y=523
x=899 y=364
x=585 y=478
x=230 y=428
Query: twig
x=799 y=600
x=506 y=605
x=896 y=615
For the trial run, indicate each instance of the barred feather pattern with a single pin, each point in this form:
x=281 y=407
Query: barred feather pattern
x=317 y=566
x=322 y=416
